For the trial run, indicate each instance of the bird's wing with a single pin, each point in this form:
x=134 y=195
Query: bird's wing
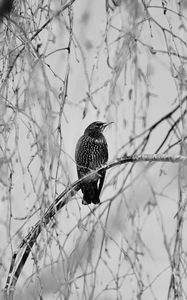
x=101 y=181
x=104 y=160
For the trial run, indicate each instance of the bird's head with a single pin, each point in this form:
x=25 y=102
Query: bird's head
x=97 y=126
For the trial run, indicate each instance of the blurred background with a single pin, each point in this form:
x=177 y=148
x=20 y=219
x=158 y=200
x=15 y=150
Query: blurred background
x=63 y=65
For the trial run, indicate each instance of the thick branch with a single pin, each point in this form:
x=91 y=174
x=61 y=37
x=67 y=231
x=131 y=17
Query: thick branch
x=59 y=202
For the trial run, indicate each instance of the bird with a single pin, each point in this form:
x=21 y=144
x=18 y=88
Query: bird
x=91 y=153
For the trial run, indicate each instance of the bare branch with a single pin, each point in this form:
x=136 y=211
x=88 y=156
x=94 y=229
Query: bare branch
x=60 y=202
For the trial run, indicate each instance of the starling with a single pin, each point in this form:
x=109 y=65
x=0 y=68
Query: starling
x=90 y=154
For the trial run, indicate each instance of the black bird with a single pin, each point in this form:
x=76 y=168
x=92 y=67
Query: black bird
x=90 y=154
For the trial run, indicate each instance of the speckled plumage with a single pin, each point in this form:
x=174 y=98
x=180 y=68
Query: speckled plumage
x=90 y=154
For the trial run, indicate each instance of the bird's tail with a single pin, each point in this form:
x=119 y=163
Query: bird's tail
x=90 y=194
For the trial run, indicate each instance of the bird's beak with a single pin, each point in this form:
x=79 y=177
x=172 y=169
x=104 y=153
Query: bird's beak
x=106 y=124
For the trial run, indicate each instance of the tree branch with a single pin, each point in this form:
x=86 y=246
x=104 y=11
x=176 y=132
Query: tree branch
x=28 y=242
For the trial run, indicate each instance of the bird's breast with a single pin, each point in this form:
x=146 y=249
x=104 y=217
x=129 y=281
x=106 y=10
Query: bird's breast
x=91 y=152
